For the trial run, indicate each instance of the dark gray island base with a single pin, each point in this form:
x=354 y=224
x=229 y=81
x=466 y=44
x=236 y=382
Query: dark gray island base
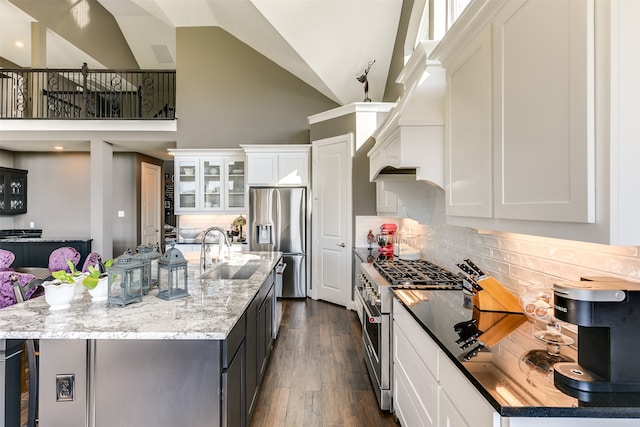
x=194 y=361
x=145 y=382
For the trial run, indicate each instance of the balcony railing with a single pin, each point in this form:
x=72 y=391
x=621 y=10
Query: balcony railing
x=30 y=93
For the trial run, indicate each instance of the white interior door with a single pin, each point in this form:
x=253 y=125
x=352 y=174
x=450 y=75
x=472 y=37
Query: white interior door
x=150 y=204
x=331 y=219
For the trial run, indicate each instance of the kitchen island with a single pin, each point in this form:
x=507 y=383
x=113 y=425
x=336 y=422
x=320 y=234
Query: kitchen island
x=156 y=362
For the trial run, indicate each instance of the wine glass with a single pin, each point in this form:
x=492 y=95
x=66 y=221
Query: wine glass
x=537 y=304
x=537 y=364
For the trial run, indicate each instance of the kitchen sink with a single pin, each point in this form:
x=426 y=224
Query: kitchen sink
x=227 y=271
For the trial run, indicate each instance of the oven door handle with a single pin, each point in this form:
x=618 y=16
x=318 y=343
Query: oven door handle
x=370 y=317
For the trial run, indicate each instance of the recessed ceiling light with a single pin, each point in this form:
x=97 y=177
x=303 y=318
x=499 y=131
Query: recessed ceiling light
x=19 y=44
x=58 y=147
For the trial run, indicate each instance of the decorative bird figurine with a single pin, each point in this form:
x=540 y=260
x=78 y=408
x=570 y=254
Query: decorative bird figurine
x=364 y=79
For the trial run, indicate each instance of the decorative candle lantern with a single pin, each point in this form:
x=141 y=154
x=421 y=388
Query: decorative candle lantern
x=148 y=255
x=173 y=283
x=126 y=276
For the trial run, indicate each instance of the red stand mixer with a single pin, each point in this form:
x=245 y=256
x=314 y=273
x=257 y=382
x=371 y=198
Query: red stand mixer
x=386 y=239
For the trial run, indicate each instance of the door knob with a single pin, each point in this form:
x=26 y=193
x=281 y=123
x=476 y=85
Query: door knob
x=342 y=245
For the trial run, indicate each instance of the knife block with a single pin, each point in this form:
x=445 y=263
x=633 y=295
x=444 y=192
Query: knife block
x=501 y=329
x=495 y=297
x=485 y=302
x=486 y=319
x=494 y=325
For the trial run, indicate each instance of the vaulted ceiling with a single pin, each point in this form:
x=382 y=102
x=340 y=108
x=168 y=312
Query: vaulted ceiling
x=325 y=43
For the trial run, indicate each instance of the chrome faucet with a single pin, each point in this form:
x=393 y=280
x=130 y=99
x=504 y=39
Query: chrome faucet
x=203 y=248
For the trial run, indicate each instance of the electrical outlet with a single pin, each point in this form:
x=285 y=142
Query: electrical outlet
x=64 y=387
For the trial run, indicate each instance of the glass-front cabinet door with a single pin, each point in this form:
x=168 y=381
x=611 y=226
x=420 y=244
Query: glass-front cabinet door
x=186 y=185
x=235 y=183
x=212 y=184
x=209 y=183
x=13 y=191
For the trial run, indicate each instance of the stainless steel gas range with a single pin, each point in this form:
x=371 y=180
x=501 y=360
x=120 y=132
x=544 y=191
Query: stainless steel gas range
x=375 y=297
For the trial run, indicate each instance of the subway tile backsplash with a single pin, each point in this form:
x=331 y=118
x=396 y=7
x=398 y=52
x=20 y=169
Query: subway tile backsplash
x=365 y=223
x=520 y=260
x=515 y=260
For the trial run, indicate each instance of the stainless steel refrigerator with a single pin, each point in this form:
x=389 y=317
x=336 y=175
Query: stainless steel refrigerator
x=278 y=222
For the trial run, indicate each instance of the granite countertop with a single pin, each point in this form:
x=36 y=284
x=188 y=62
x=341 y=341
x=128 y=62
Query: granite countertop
x=209 y=312
x=198 y=242
x=493 y=369
x=40 y=240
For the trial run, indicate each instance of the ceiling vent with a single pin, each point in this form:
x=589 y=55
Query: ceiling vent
x=162 y=53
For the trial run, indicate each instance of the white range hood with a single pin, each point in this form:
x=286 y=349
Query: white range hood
x=411 y=139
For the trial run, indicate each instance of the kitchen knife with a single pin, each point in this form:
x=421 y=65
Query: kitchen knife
x=471 y=341
x=466 y=279
x=466 y=334
x=473 y=352
x=475 y=268
x=464 y=324
x=465 y=283
x=467 y=269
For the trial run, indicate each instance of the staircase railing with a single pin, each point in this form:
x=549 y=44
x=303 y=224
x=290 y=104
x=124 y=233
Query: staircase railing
x=29 y=93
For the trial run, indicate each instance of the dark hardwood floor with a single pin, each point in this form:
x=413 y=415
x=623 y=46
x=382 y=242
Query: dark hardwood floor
x=317 y=374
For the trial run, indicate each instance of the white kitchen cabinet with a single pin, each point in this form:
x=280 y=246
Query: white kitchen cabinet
x=293 y=168
x=209 y=181
x=519 y=139
x=473 y=408
x=468 y=140
x=277 y=164
x=543 y=112
x=235 y=188
x=430 y=390
x=562 y=165
x=449 y=415
x=415 y=370
x=427 y=383
x=187 y=171
x=262 y=168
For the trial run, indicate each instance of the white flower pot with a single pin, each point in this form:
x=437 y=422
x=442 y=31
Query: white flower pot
x=79 y=293
x=100 y=292
x=58 y=295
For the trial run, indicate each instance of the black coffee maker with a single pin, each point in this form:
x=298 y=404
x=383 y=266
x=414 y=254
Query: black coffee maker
x=608 y=317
